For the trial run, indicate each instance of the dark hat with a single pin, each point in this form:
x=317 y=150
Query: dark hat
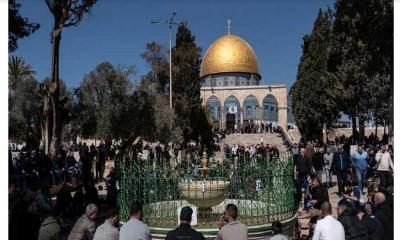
x=186 y=213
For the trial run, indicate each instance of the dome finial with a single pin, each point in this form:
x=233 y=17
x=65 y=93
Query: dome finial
x=229 y=26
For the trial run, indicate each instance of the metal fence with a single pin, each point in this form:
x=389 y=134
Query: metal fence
x=263 y=190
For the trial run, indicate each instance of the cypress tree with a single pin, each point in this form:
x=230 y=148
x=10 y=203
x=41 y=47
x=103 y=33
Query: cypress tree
x=186 y=85
x=313 y=93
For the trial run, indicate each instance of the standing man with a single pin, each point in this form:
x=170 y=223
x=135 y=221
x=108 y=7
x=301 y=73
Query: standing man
x=233 y=230
x=360 y=162
x=384 y=166
x=340 y=165
x=135 y=229
x=295 y=152
x=328 y=158
x=318 y=163
x=328 y=228
x=303 y=170
x=184 y=231
x=101 y=161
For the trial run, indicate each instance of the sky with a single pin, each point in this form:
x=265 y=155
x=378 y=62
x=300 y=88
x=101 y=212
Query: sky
x=118 y=30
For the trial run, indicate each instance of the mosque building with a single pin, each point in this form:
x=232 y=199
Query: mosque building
x=231 y=87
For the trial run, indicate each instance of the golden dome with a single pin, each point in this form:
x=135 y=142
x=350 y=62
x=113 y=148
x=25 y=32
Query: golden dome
x=229 y=53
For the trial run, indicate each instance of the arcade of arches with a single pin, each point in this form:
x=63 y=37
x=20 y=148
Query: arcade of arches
x=242 y=106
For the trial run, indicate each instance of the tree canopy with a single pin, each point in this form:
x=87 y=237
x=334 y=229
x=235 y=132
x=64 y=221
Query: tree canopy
x=313 y=93
x=102 y=95
x=362 y=58
x=158 y=77
x=186 y=61
x=18 y=26
x=109 y=107
x=25 y=105
x=18 y=71
x=353 y=65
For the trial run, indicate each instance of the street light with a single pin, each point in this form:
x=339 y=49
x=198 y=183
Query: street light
x=170 y=22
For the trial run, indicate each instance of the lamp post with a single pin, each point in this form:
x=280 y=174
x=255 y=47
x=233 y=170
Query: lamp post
x=170 y=22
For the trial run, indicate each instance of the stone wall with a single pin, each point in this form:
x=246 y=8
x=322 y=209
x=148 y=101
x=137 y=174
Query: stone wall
x=332 y=133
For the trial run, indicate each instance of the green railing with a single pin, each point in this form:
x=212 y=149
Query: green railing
x=262 y=190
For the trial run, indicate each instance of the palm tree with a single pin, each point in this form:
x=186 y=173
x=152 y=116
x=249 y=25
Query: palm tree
x=18 y=71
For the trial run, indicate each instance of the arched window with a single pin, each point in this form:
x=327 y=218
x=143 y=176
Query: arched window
x=249 y=113
x=232 y=103
x=250 y=104
x=270 y=108
x=214 y=104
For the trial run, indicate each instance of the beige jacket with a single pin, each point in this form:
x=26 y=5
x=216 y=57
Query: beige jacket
x=83 y=229
x=384 y=161
x=50 y=229
x=233 y=231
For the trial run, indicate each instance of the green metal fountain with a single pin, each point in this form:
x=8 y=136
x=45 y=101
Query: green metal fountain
x=262 y=190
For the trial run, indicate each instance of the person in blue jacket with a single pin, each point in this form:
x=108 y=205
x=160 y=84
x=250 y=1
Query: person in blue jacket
x=360 y=162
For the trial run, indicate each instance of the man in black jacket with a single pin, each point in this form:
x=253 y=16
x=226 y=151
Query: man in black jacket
x=371 y=224
x=303 y=170
x=340 y=165
x=184 y=231
x=384 y=213
x=319 y=193
x=317 y=161
x=353 y=228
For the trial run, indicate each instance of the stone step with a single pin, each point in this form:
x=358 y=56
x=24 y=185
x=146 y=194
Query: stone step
x=272 y=139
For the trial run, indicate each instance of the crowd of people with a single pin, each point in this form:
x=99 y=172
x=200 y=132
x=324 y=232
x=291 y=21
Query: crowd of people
x=136 y=229
x=371 y=140
x=248 y=152
x=72 y=209
x=253 y=127
x=44 y=193
x=361 y=214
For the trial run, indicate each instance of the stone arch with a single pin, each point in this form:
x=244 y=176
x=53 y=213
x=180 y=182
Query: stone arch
x=214 y=105
x=232 y=101
x=231 y=112
x=250 y=106
x=270 y=108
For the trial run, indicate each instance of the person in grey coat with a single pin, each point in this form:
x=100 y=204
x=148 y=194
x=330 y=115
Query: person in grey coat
x=135 y=229
x=107 y=231
x=85 y=227
x=50 y=228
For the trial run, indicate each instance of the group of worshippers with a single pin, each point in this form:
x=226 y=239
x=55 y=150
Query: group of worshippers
x=241 y=152
x=361 y=214
x=135 y=229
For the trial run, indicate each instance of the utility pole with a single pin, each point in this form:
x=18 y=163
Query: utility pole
x=170 y=23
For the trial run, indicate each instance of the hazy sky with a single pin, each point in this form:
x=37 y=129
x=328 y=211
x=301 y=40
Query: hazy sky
x=118 y=30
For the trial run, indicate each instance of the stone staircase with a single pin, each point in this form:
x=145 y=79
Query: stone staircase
x=273 y=139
